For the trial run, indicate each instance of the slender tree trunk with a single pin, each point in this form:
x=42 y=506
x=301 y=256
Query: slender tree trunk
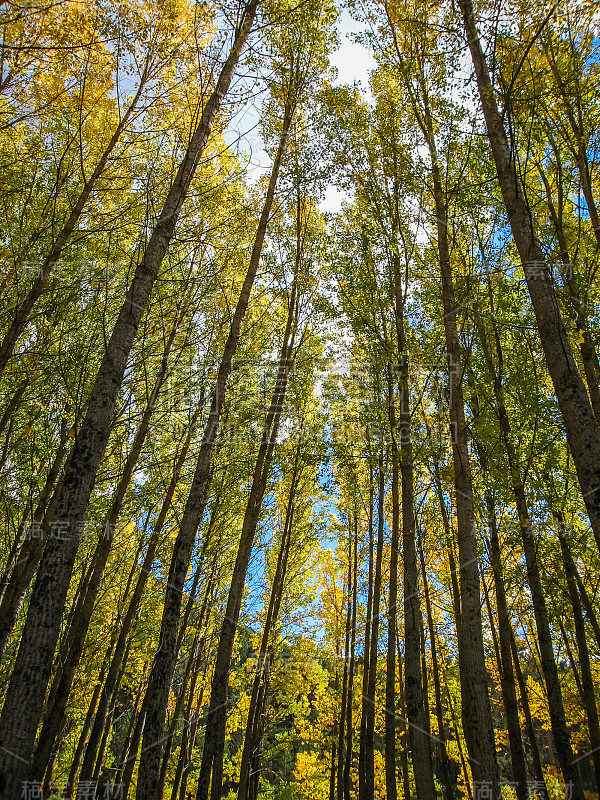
x=351 y=666
x=25 y=695
x=343 y=713
x=533 y=743
x=587 y=681
x=560 y=731
x=507 y=676
x=580 y=150
x=578 y=310
x=583 y=434
x=415 y=698
x=251 y=739
x=362 y=782
x=447 y=782
x=476 y=710
x=212 y=755
x=373 y=649
x=390 y=682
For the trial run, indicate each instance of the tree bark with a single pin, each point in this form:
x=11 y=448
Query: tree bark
x=583 y=434
x=25 y=695
x=164 y=662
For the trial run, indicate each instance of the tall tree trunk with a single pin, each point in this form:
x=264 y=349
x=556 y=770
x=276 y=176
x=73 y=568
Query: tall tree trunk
x=252 y=737
x=212 y=755
x=164 y=663
x=391 y=788
x=533 y=743
x=25 y=695
x=134 y=603
x=507 y=676
x=476 y=710
x=352 y=663
x=415 y=698
x=373 y=649
x=344 y=699
x=362 y=780
x=447 y=782
x=587 y=681
x=583 y=434
x=556 y=709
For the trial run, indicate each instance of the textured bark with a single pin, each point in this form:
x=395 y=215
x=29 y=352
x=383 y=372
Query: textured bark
x=587 y=680
x=72 y=647
x=415 y=697
x=134 y=603
x=583 y=434
x=25 y=695
x=562 y=738
x=164 y=662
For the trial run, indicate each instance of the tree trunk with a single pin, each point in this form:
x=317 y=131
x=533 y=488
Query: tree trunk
x=164 y=662
x=560 y=731
x=362 y=781
x=587 y=681
x=25 y=695
x=252 y=737
x=507 y=676
x=111 y=679
x=352 y=663
x=391 y=788
x=373 y=649
x=447 y=782
x=583 y=434
x=415 y=698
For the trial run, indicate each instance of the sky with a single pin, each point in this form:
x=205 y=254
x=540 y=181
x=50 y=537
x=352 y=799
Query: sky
x=352 y=61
